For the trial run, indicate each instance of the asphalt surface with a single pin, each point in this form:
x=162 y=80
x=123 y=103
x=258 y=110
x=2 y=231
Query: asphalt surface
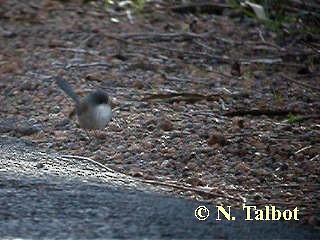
x=46 y=196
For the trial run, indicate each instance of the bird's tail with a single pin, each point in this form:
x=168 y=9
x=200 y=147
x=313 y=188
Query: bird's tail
x=64 y=85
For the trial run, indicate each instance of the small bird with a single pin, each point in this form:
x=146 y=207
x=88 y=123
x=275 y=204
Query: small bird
x=94 y=111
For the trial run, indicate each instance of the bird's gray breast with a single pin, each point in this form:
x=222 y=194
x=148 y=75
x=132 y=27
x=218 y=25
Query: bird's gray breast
x=96 y=118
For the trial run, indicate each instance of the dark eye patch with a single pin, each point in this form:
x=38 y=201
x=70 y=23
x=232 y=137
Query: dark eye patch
x=100 y=97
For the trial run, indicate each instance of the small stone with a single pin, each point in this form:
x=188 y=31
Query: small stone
x=147 y=144
x=28 y=85
x=165 y=164
x=134 y=148
x=40 y=165
x=165 y=124
x=151 y=127
x=236 y=69
x=136 y=174
x=192 y=166
x=99 y=155
x=262 y=172
x=118 y=159
x=60 y=134
x=138 y=84
x=55 y=109
x=53 y=43
x=257 y=196
x=239 y=122
x=63 y=124
x=217 y=138
x=93 y=77
x=132 y=138
x=101 y=135
x=195 y=181
x=149 y=177
x=177 y=107
x=114 y=127
x=27 y=130
x=150 y=121
x=242 y=167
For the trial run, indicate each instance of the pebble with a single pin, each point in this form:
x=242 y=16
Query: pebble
x=192 y=166
x=165 y=124
x=27 y=130
x=101 y=135
x=217 y=138
x=40 y=165
x=134 y=173
x=165 y=164
x=195 y=181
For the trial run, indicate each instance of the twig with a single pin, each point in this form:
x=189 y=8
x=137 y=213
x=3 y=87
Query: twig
x=178 y=186
x=294 y=203
x=193 y=97
x=169 y=36
x=77 y=50
x=202 y=7
x=315 y=157
x=259 y=112
x=86 y=40
x=197 y=80
x=299 y=82
x=302 y=186
x=306 y=117
x=264 y=47
x=262 y=60
x=303 y=149
x=183 y=96
x=204 y=46
x=89 y=160
x=222 y=59
x=147 y=35
x=88 y=65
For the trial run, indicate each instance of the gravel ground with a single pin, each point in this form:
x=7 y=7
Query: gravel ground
x=246 y=129
x=48 y=196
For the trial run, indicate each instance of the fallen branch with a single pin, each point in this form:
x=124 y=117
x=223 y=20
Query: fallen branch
x=88 y=160
x=197 y=80
x=303 y=149
x=201 y=7
x=168 y=36
x=94 y=64
x=148 y=35
x=184 y=96
x=201 y=192
x=259 y=112
x=306 y=117
x=293 y=203
x=315 y=157
x=299 y=82
x=192 y=97
x=261 y=60
x=205 y=46
x=302 y=186
x=77 y=50
x=221 y=59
